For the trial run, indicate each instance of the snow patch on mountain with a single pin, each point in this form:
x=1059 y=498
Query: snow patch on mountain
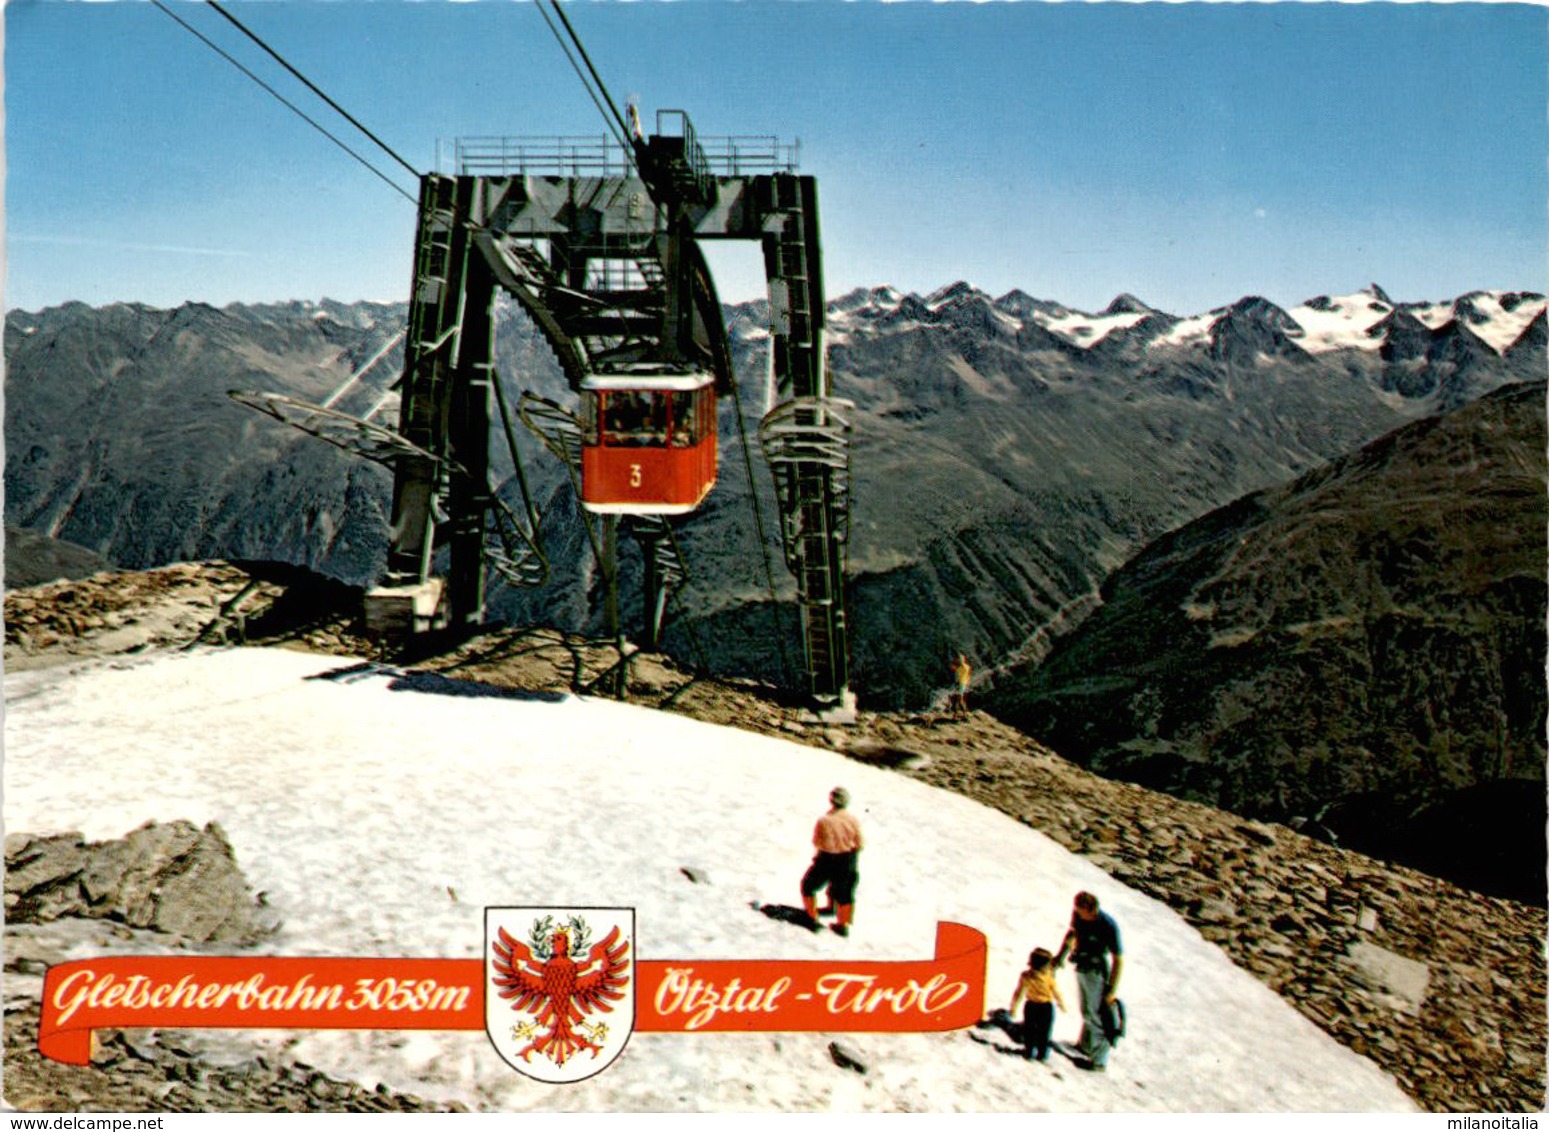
x=1498 y=318
x=1191 y=331
x=1341 y=323
x=951 y=293
x=1088 y=330
x=1433 y=315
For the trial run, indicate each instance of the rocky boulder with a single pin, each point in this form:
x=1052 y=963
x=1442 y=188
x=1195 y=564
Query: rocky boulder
x=173 y=877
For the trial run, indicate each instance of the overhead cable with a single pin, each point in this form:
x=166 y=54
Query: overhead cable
x=576 y=39
x=310 y=85
x=595 y=97
x=288 y=104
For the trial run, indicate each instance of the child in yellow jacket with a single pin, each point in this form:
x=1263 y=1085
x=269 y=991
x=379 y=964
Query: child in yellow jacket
x=1036 y=985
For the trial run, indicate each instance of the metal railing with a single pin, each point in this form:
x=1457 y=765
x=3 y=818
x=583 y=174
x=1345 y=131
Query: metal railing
x=600 y=156
x=740 y=154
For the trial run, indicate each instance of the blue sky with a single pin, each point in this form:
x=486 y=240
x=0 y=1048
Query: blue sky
x=1190 y=154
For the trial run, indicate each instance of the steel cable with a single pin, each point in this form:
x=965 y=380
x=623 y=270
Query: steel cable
x=285 y=101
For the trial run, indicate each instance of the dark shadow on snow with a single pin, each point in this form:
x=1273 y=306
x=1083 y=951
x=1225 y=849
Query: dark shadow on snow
x=432 y=683
x=988 y=1032
x=786 y=914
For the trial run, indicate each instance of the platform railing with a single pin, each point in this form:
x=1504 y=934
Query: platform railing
x=600 y=156
x=739 y=154
x=556 y=156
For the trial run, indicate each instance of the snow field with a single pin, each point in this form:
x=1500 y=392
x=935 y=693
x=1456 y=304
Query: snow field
x=381 y=818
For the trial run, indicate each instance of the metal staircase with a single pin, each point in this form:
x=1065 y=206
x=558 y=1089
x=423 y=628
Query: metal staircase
x=807 y=444
x=806 y=437
x=435 y=324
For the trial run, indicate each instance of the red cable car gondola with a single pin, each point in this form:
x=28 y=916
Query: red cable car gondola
x=648 y=444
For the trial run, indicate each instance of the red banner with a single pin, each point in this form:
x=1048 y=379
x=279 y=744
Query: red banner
x=942 y=993
x=174 y=992
x=681 y=996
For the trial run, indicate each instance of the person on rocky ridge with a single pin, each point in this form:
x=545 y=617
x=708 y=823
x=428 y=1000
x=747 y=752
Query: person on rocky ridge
x=1037 y=986
x=1093 y=937
x=837 y=838
x=962 y=673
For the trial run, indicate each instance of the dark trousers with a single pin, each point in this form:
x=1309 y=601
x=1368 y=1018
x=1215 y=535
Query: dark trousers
x=1038 y=1028
x=838 y=872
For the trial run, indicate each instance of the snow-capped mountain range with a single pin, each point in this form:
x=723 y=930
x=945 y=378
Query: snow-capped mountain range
x=1365 y=320
x=1043 y=445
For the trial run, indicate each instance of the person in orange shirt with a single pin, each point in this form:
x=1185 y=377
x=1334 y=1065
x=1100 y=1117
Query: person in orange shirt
x=837 y=838
x=1036 y=985
x=962 y=673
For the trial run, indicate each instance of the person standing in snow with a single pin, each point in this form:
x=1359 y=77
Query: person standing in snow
x=1093 y=939
x=1036 y=985
x=837 y=838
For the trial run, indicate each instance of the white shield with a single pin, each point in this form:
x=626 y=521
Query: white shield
x=559 y=988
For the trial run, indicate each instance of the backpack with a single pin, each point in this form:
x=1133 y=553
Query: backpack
x=1113 y=1020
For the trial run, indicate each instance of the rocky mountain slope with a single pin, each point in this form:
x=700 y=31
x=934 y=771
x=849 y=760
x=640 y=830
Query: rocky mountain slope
x=32 y=559
x=1442 y=987
x=1040 y=447
x=1364 y=645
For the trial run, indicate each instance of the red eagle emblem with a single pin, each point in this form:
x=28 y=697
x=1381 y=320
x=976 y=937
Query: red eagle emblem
x=559 y=990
